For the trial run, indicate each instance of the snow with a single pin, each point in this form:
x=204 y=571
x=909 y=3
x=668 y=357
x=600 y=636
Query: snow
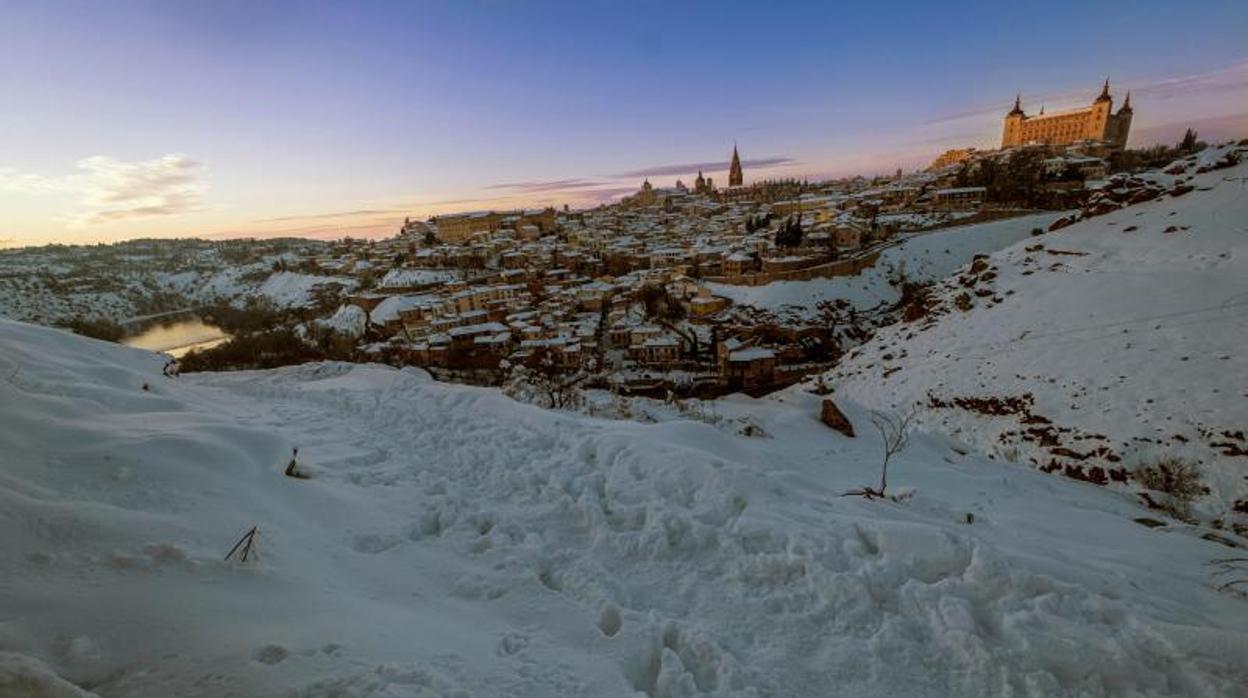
x=414 y=278
x=349 y=319
x=1129 y=335
x=452 y=541
x=751 y=354
x=389 y=309
x=925 y=256
x=293 y=290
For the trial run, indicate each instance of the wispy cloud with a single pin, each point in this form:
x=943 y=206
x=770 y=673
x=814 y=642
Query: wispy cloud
x=334 y=214
x=549 y=185
x=687 y=167
x=111 y=190
x=1227 y=78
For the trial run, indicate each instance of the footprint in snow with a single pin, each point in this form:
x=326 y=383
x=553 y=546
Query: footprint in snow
x=271 y=654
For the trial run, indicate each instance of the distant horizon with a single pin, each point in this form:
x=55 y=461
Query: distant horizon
x=286 y=119
x=381 y=233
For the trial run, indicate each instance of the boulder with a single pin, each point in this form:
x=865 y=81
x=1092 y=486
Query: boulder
x=832 y=416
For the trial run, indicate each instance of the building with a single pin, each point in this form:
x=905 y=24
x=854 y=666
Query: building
x=736 y=177
x=958 y=198
x=749 y=367
x=957 y=156
x=703 y=185
x=1096 y=122
x=457 y=227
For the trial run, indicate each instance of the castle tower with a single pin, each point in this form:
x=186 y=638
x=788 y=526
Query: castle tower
x=735 y=176
x=1120 y=124
x=1104 y=96
x=1097 y=126
x=1013 y=133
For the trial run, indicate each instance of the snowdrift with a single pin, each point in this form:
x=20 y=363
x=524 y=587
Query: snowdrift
x=1090 y=350
x=453 y=542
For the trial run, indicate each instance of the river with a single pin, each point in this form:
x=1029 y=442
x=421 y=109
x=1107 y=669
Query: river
x=177 y=337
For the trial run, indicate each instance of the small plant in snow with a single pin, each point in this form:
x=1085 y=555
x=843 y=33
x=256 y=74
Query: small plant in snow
x=1175 y=477
x=622 y=406
x=747 y=426
x=895 y=436
x=697 y=410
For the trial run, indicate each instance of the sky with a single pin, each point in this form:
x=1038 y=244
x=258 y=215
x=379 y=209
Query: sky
x=232 y=118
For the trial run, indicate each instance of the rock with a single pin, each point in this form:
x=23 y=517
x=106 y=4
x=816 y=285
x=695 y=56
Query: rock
x=832 y=416
x=1064 y=221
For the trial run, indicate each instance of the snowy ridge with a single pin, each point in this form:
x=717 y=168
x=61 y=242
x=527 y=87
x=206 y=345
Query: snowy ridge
x=924 y=256
x=454 y=542
x=1091 y=349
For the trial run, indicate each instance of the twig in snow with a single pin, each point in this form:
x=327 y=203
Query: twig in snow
x=247 y=542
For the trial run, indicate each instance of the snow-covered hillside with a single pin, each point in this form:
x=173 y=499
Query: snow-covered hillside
x=34 y=293
x=453 y=542
x=923 y=257
x=1095 y=348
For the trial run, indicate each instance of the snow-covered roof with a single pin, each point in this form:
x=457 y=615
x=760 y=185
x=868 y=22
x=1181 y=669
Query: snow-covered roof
x=485 y=327
x=407 y=278
x=751 y=354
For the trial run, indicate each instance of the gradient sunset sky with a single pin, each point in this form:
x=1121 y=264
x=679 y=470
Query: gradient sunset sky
x=230 y=118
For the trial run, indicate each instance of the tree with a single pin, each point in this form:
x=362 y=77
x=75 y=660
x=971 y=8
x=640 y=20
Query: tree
x=430 y=238
x=542 y=376
x=1189 y=142
x=790 y=233
x=895 y=436
x=668 y=312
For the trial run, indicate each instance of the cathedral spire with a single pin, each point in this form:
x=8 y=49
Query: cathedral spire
x=1104 y=92
x=736 y=177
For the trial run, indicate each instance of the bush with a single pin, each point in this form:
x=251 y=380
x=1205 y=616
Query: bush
x=282 y=346
x=96 y=328
x=258 y=315
x=1175 y=477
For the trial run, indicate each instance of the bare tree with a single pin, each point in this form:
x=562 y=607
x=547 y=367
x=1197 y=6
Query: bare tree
x=543 y=375
x=895 y=436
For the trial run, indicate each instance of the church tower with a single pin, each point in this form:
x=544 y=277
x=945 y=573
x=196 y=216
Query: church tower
x=736 y=177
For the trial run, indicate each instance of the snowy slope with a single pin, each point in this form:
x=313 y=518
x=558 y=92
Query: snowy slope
x=289 y=289
x=924 y=256
x=1121 y=338
x=454 y=542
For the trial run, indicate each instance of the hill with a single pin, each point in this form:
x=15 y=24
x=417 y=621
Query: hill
x=1099 y=348
x=451 y=541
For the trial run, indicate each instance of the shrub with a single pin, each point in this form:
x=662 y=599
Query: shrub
x=281 y=346
x=1175 y=477
x=96 y=328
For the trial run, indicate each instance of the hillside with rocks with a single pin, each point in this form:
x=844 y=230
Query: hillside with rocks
x=1109 y=345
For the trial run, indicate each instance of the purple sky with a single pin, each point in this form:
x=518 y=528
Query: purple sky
x=162 y=118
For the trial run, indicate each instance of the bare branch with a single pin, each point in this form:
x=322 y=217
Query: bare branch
x=895 y=436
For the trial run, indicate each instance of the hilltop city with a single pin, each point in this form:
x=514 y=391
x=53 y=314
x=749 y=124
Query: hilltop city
x=642 y=296
x=970 y=429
